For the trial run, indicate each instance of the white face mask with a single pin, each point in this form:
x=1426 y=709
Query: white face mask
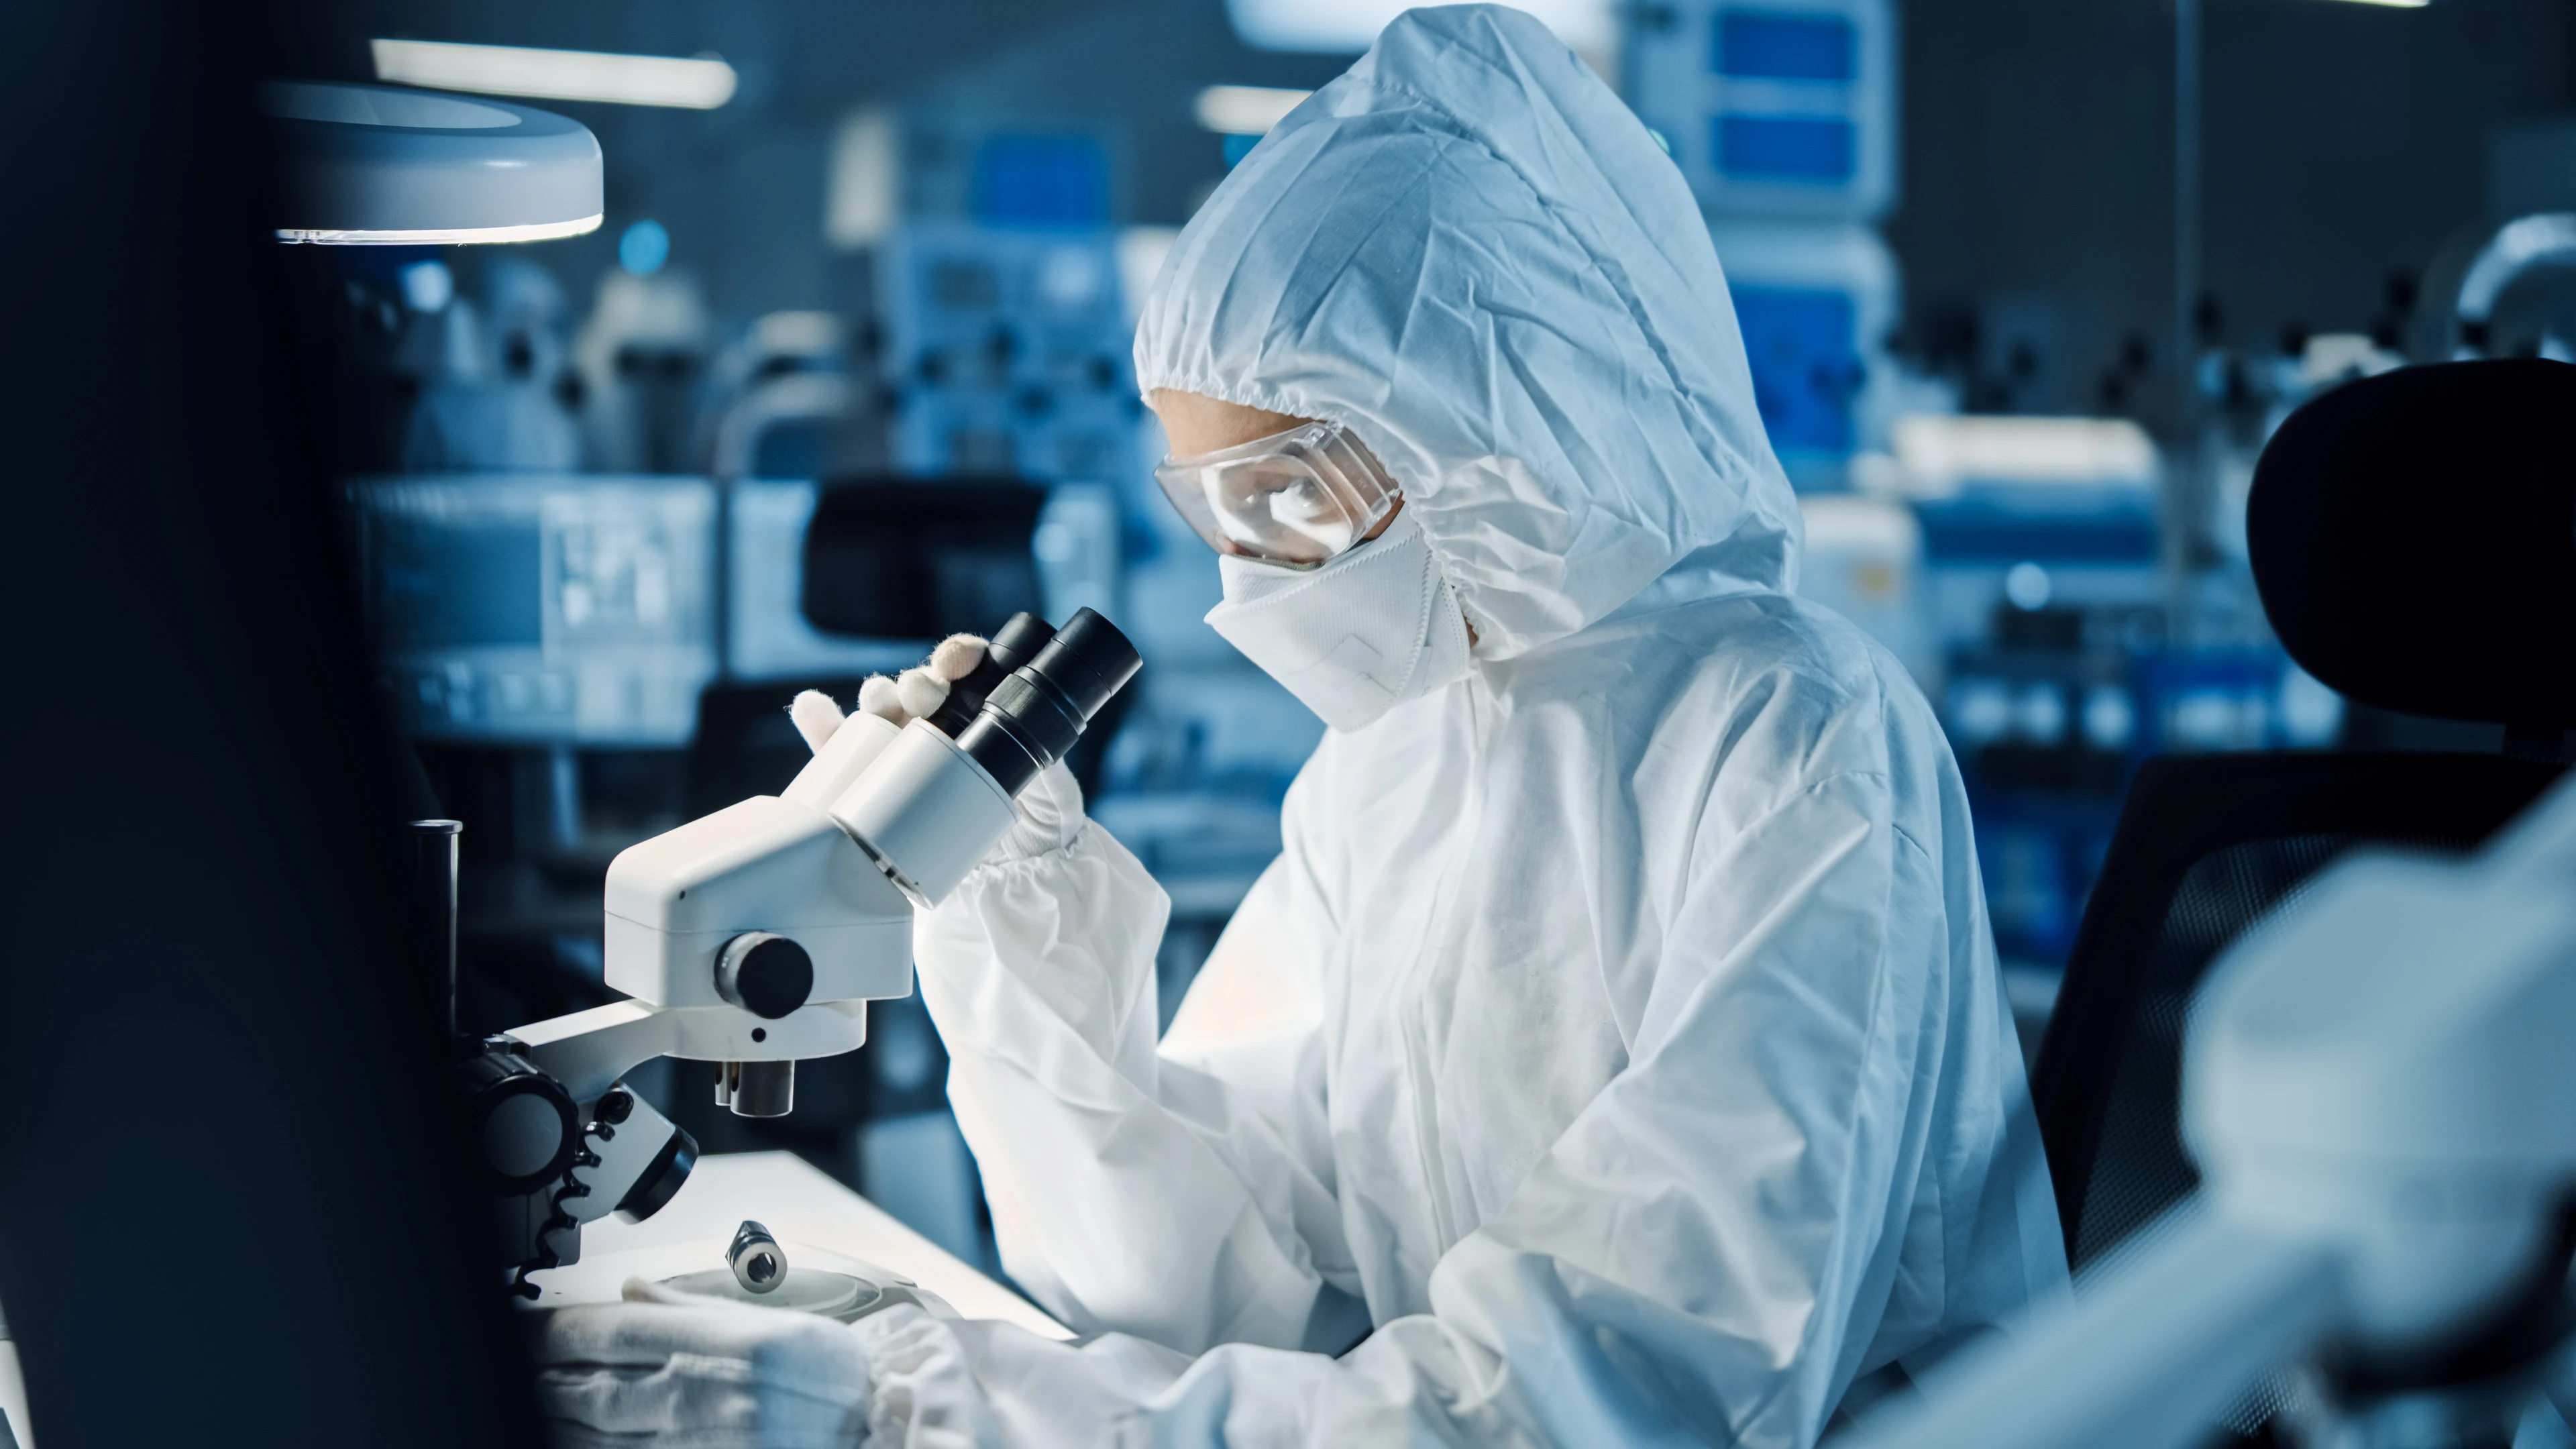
x=1355 y=637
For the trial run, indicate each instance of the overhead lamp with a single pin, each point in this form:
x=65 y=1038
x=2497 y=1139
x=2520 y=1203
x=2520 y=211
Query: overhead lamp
x=696 y=83
x=374 y=166
x=1245 y=110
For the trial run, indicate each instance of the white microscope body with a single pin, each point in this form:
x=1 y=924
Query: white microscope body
x=756 y=936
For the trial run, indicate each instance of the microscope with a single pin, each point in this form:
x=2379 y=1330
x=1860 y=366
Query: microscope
x=756 y=936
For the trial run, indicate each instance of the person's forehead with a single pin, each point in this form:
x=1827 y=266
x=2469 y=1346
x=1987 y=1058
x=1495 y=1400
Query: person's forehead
x=1196 y=423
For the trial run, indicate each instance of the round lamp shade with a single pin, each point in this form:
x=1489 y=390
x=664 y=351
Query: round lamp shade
x=375 y=165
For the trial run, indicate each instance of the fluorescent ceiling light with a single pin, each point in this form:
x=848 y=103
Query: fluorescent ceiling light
x=1245 y=110
x=564 y=75
x=1350 y=26
x=2396 y=4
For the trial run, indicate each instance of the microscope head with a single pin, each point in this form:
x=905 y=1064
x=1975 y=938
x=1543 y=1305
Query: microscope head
x=764 y=925
x=756 y=906
x=755 y=937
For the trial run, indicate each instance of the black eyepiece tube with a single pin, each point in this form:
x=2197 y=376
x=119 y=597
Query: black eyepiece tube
x=1015 y=644
x=1032 y=717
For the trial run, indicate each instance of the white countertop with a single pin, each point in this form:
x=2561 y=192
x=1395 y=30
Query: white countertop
x=799 y=1205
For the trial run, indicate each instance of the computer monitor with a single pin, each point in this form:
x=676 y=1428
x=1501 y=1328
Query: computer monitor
x=541 y=609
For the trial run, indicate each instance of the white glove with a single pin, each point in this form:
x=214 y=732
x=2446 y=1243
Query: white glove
x=1050 y=806
x=668 y=1367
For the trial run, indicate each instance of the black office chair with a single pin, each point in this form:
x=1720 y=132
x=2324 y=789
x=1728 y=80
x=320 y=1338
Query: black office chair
x=2414 y=540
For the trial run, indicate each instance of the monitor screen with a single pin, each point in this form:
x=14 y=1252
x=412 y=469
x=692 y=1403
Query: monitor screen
x=541 y=609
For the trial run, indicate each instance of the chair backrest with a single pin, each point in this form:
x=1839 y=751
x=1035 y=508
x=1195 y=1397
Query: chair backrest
x=2206 y=846
x=2414 y=539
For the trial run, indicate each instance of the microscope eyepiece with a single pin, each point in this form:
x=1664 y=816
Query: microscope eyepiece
x=933 y=803
x=1014 y=644
x=1037 y=712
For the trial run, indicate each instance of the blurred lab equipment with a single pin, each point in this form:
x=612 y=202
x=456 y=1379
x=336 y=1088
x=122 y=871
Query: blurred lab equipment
x=1865 y=561
x=768 y=637
x=2049 y=602
x=498 y=398
x=1007 y=349
x=754 y=937
x=1004 y=317
x=921 y=560
x=1783 y=108
x=2208 y=846
x=2375 y=1090
x=2040 y=602
x=1815 y=303
x=779 y=402
x=2519 y=250
x=1783 y=118
x=541 y=610
x=361 y=165
x=641 y=357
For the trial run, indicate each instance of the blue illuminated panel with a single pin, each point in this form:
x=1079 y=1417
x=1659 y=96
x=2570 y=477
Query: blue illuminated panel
x=1805 y=371
x=1818 y=149
x=1772 y=45
x=1040 y=181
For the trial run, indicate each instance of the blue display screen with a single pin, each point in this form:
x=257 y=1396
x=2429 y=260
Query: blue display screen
x=1040 y=181
x=444 y=584
x=1778 y=45
x=1804 y=367
x=1809 y=149
x=1997 y=527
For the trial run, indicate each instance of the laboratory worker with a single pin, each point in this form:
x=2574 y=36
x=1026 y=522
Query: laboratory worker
x=1615 y=1054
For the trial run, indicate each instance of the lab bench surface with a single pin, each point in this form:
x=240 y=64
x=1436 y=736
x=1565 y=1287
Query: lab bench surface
x=798 y=1204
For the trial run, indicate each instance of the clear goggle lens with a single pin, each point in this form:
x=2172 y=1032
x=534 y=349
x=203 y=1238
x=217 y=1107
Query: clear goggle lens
x=1295 y=498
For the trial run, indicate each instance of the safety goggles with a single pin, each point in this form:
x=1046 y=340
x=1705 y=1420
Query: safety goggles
x=1295 y=498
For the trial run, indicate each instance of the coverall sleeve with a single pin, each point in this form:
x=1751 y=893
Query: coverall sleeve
x=1180 y=1198
x=1703 y=1256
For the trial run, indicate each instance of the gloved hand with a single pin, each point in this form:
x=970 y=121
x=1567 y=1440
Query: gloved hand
x=1050 y=806
x=672 y=1368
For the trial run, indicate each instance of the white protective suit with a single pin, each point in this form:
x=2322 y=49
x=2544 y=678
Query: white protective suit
x=1621 y=1024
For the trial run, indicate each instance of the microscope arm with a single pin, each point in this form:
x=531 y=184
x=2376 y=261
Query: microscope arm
x=588 y=1051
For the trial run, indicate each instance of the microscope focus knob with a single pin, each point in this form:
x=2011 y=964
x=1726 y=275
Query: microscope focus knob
x=764 y=974
x=522 y=1119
